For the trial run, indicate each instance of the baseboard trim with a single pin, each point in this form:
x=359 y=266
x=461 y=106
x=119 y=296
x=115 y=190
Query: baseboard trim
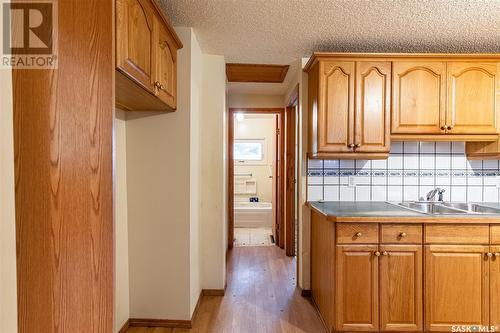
x=213 y=292
x=125 y=326
x=305 y=293
x=320 y=316
x=134 y=322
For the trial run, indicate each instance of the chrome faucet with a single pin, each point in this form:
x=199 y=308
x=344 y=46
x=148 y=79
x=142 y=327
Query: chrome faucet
x=431 y=194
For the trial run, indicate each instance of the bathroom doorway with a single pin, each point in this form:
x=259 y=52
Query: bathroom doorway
x=256 y=177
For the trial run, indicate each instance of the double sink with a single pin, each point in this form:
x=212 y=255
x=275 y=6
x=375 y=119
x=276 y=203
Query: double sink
x=447 y=208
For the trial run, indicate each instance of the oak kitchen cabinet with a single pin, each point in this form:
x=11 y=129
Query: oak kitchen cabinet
x=415 y=277
x=359 y=102
x=146 y=57
x=349 y=105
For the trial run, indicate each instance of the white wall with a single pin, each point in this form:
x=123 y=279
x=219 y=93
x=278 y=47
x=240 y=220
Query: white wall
x=213 y=182
x=303 y=243
x=254 y=101
x=8 y=286
x=258 y=127
x=122 y=302
x=159 y=203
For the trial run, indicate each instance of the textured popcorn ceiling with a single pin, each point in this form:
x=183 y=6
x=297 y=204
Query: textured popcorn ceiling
x=281 y=31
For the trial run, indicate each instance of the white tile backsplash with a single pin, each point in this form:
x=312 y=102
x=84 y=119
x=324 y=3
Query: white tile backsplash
x=412 y=170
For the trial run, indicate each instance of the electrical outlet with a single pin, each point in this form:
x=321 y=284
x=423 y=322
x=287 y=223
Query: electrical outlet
x=351 y=181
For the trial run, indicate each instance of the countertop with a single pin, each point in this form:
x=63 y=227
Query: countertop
x=375 y=211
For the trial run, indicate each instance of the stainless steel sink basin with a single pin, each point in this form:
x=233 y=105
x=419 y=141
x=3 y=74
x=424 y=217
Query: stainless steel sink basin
x=431 y=208
x=472 y=207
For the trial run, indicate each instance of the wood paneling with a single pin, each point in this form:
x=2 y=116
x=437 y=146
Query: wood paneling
x=357 y=307
x=323 y=266
x=456 y=286
x=256 y=73
x=419 y=97
x=401 y=305
x=400 y=234
x=495 y=234
x=457 y=234
x=373 y=107
x=166 y=65
x=357 y=233
x=64 y=178
x=472 y=94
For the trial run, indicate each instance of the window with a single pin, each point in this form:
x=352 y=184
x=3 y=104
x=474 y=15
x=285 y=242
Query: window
x=248 y=150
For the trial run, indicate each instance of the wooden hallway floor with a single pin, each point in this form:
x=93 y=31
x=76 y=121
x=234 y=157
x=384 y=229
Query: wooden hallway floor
x=261 y=297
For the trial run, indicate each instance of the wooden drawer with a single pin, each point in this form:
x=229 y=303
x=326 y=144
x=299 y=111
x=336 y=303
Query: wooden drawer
x=401 y=234
x=357 y=233
x=495 y=234
x=457 y=234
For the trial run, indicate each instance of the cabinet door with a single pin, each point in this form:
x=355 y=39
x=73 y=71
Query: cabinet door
x=401 y=288
x=495 y=287
x=357 y=288
x=165 y=81
x=336 y=109
x=134 y=40
x=373 y=107
x=456 y=286
x=419 y=92
x=471 y=98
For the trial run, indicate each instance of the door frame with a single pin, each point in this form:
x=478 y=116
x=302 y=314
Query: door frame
x=291 y=176
x=280 y=184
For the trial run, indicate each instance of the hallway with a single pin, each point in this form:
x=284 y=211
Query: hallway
x=261 y=297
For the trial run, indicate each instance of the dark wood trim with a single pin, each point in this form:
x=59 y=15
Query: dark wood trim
x=230 y=167
x=305 y=293
x=213 y=292
x=291 y=172
x=125 y=326
x=144 y=322
x=261 y=73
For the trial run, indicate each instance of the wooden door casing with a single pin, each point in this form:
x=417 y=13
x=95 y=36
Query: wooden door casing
x=472 y=96
x=401 y=306
x=456 y=286
x=373 y=107
x=357 y=307
x=134 y=41
x=419 y=97
x=336 y=109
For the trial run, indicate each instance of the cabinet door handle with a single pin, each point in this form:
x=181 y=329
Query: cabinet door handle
x=449 y=128
x=497 y=254
x=358 y=234
x=403 y=235
x=489 y=254
x=443 y=128
x=351 y=145
x=357 y=145
x=385 y=253
x=377 y=254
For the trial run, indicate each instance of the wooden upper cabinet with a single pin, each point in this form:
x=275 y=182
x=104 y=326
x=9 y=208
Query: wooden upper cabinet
x=357 y=288
x=373 y=107
x=134 y=35
x=401 y=272
x=146 y=57
x=165 y=84
x=419 y=97
x=456 y=286
x=472 y=95
x=336 y=107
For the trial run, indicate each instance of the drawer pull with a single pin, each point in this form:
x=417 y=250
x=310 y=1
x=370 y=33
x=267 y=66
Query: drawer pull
x=489 y=254
x=403 y=234
x=358 y=234
x=377 y=254
x=385 y=253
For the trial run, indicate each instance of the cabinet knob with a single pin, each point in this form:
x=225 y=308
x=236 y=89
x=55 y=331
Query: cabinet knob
x=357 y=145
x=377 y=254
x=449 y=128
x=489 y=254
x=403 y=235
x=351 y=145
x=497 y=254
x=443 y=128
x=358 y=234
x=385 y=253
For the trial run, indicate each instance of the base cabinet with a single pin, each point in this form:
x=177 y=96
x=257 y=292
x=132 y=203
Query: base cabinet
x=401 y=288
x=456 y=286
